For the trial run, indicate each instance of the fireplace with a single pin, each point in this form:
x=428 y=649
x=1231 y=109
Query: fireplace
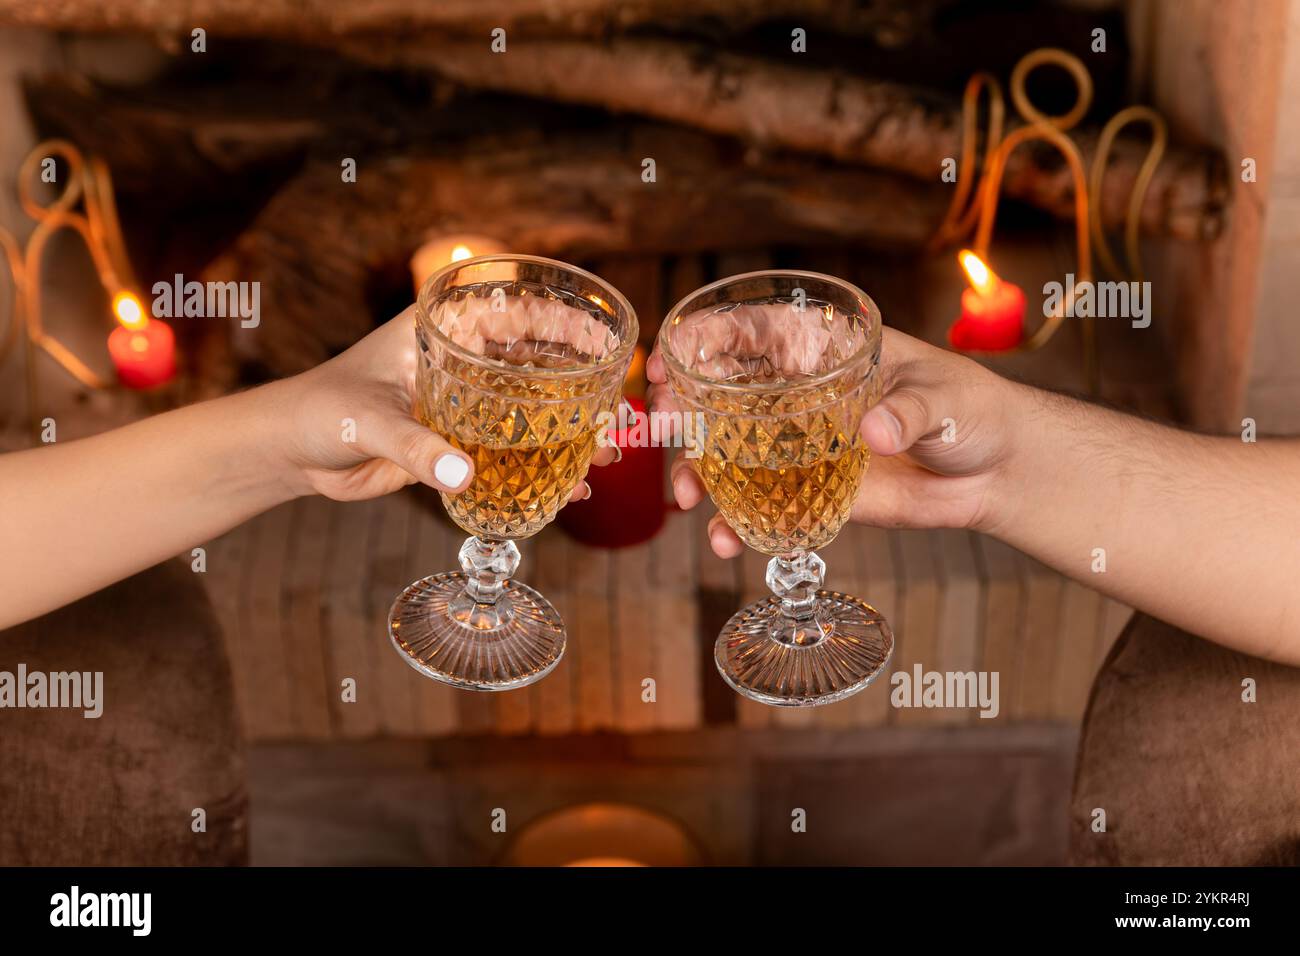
x=315 y=149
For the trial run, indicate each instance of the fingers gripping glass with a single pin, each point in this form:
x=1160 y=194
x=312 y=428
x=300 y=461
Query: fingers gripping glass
x=518 y=359
x=781 y=366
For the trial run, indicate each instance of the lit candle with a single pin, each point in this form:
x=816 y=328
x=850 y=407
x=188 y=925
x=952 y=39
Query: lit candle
x=143 y=349
x=439 y=251
x=992 y=310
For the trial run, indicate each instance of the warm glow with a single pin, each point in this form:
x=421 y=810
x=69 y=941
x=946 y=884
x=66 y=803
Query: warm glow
x=982 y=278
x=139 y=343
x=634 y=383
x=439 y=252
x=128 y=310
x=605 y=861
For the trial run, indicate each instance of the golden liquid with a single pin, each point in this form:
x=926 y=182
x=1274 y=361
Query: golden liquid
x=780 y=510
x=530 y=449
x=530 y=436
x=517 y=490
x=783 y=460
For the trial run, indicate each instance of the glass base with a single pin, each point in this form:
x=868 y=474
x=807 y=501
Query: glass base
x=839 y=649
x=444 y=634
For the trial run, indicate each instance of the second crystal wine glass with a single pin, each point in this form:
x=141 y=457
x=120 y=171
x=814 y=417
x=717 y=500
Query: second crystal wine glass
x=781 y=367
x=518 y=358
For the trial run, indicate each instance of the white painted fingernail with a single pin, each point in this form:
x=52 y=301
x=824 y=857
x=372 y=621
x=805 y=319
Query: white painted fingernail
x=450 y=470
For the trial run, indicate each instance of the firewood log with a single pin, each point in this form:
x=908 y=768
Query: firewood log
x=317 y=244
x=888 y=21
x=851 y=119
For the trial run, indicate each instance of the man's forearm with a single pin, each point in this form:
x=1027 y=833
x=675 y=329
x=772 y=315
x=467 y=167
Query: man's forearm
x=81 y=515
x=1199 y=531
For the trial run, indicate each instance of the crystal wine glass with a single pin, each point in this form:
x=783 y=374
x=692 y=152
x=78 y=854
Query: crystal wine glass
x=521 y=360
x=778 y=368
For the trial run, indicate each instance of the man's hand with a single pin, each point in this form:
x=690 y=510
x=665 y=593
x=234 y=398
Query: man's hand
x=1196 y=530
x=939 y=438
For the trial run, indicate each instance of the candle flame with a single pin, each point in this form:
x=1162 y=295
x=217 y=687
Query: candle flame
x=461 y=252
x=129 y=311
x=982 y=279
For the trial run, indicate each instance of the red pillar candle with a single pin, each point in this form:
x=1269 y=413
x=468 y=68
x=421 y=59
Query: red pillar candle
x=143 y=349
x=627 y=503
x=992 y=310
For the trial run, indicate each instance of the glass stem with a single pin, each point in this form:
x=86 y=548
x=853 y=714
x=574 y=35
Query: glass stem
x=795 y=579
x=488 y=566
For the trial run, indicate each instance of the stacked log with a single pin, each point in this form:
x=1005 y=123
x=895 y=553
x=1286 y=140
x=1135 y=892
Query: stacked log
x=776 y=149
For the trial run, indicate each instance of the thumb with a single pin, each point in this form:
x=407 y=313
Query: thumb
x=899 y=420
x=422 y=453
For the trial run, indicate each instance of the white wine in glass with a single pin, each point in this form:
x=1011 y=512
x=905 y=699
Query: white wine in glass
x=781 y=366
x=521 y=361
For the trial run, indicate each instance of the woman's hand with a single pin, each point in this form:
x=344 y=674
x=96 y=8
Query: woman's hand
x=83 y=514
x=940 y=437
x=368 y=395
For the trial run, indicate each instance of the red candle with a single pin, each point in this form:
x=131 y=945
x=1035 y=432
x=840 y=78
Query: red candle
x=627 y=503
x=992 y=310
x=143 y=349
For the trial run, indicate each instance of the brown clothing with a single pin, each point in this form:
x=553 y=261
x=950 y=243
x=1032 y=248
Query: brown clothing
x=1187 y=772
x=120 y=789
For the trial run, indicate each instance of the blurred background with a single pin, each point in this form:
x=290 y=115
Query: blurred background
x=231 y=163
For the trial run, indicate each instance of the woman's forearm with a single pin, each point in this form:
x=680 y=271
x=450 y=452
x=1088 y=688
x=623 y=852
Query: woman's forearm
x=77 y=517
x=1202 y=532
x=81 y=515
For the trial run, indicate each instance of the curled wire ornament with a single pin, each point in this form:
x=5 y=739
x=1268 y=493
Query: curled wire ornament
x=1133 y=217
x=88 y=183
x=959 y=220
x=13 y=315
x=974 y=206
